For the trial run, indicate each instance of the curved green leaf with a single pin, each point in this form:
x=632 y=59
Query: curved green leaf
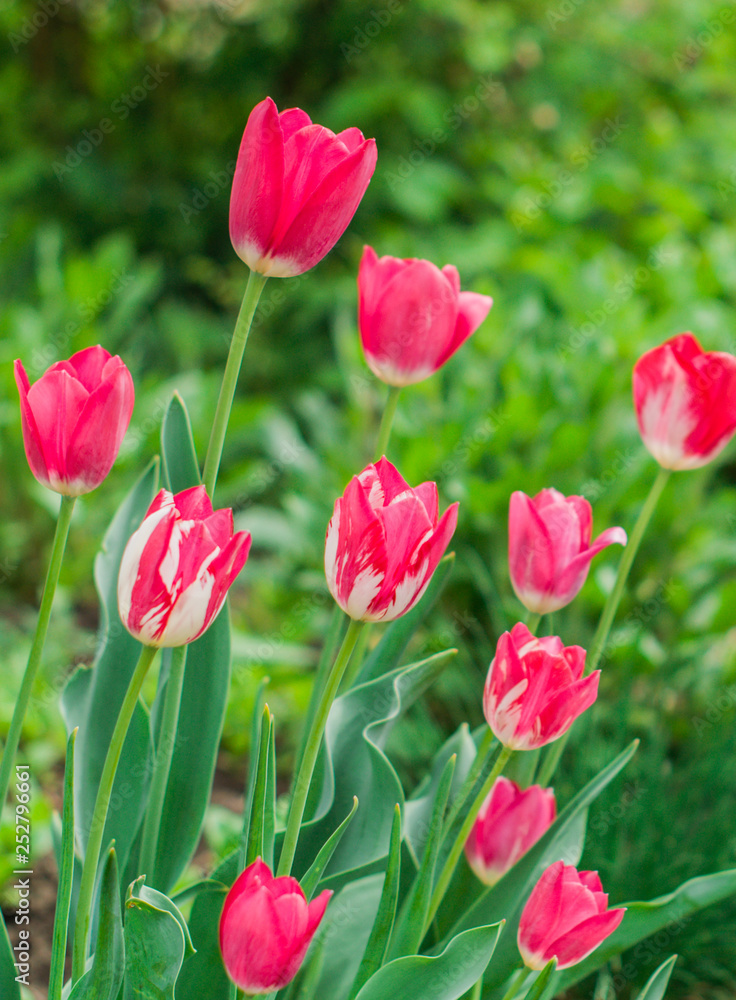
x=156 y=943
x=353 y=763
x=657 y=982
x=445 y=977
x=375 y=950
x=311 y=879
x=92 y=698
x=506 y=899
x=180 y=468
x=669 y=914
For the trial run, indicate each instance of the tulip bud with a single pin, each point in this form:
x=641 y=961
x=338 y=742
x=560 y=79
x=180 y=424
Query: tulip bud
x=509 y=822
x=265 y=929
x=296 y=188
x=566 y=918
x=74 y=419
x=685 y=401
x=412 y=316
x=177 y=568
x=550 y=547
x=535 y=689
x=384 y=542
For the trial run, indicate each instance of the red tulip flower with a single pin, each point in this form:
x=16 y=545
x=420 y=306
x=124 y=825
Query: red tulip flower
x=685 y=401
x=384 y=542
x=566 y=918
x=510 y=821
x=265 y=929
x=296 y=188
x=177 y=568
x=535 y=689
x=412 y=316
x=550 y=547
x=74 y=419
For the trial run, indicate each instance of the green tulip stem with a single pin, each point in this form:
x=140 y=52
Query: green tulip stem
x=482 y=755
x=253 y=291
x=532 y=622
x=387 y=421
x=162 y=766
x=312 y=745
x=456 y=850
x=610 y=608
x=99 y=815
x=614 y=598
x=34 y=657
x=516 y=983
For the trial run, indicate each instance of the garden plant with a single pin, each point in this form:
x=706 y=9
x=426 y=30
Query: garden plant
x=346 y=882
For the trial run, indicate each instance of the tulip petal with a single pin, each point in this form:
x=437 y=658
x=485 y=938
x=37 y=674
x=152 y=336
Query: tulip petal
x=325 y=215
x=562 y=710
x=257 y=190
x=31 y=434
x=583 y=939
x=541 y=911
x=91 y=365
x=57 y=401
x=193 y=504
x=100 y=429
x=531 y=556
x=472 y=309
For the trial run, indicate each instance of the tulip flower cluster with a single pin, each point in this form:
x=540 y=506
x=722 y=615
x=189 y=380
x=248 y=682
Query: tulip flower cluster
x=296 y=187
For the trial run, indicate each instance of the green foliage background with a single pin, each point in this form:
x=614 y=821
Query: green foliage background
x=574 y=159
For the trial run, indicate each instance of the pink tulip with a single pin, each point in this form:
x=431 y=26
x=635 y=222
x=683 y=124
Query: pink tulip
x=510 y=821
x=565 y=918
x=535 y=689
x=177 y=567
x=384 y=542
x=75 y=418
x=296 y=188
x=685 y=401
x=550 y=547
x=265 y=929
x=412 y=316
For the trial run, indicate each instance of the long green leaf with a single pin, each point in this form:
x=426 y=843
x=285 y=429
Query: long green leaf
x=66 y=876
x=156 y=943
x=254 y=846
x=375 y=950
x=91 y=700
x=314 y=874
x=669 y=914
x=353 y=763
x=445 y=977
x=410 y=926
x=9 y=986
x=203 y=975
x=180 y=468
x=204 y=694
x=103 y=980
x=656 y=985
x=506 y=899
x=342 y=937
